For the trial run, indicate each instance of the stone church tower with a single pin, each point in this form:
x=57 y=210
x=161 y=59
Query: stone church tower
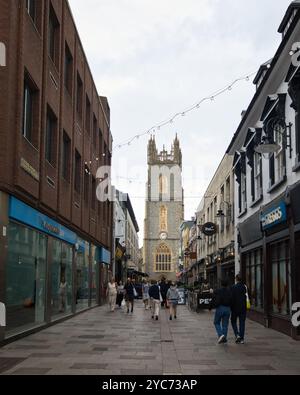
x=164 y=211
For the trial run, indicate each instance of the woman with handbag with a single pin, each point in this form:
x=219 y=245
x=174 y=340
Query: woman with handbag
x=172 y=299
x=112 y=294
x=130 y=293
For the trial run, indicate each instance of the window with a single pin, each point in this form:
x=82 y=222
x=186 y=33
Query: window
x=53 y=37
x=95 y=131
x=77 y=180
x=79 y=95
x=277 y=162
x=163 y=219
x=25 y=278
x=51 y=131
x=88 y=115
x=163 y=259
x=28 y=111
x=31 y=9
x=66 y=156
x=86 y=184
x=68 y=76
x=281 y=278
x=243 y=192
x=93 y=203
x=254 y=277
x=257 y=176
x=163 y=185
x=241 y=178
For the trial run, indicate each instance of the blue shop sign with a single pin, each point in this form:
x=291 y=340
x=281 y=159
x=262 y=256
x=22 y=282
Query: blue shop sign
x=274 y=216
x=105 y=256
x=21 y=212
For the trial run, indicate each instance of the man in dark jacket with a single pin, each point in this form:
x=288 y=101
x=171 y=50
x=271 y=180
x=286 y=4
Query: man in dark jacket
x=129 y=294
x=164 y=287
x=239 y=309
x=222 y=302
x=155 y=298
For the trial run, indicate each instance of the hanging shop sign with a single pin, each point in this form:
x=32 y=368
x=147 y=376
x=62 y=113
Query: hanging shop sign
x=274 y=216
x=209 y=229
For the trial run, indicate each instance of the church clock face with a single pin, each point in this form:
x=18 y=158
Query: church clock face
x=163 y=236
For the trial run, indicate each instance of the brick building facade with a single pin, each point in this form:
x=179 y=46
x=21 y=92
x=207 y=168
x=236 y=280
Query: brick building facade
x=54 y=133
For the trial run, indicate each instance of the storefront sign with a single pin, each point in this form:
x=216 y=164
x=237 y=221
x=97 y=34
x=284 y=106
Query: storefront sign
x=29 y=169
x=23 y=213
x=105 y=256
x=274 y=216
x=209 y=229
x=182 y=299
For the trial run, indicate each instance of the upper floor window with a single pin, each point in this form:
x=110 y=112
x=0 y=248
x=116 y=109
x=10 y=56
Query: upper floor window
x=30 y=110
x=257 y=176
x=31 y=9
x=51 y=133
x=79 y=95
x=77 y=175
x=66 y=156
x=88 y=115
x=68 y=72
x=53 y=37
x=240 y=169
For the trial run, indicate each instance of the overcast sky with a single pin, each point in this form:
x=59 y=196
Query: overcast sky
x=154 y=58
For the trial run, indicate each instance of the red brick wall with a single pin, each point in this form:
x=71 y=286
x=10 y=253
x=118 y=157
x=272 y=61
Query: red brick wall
x=27 y=45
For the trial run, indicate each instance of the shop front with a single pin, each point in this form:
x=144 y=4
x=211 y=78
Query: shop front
x=48 y=271
x=269 y=263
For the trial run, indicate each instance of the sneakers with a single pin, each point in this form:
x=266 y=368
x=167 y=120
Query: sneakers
x=222 y=339
x=238 y=340
x=242 y=341
x=175 y=317
x=156 y=318
x=152 y=317
x=170 y=318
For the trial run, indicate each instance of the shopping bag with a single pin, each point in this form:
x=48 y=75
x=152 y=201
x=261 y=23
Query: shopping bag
x=248 y=303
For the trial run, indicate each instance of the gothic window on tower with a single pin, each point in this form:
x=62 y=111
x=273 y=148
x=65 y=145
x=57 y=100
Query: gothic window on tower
x=163 y=185
x=163 y=219
x=163 y=259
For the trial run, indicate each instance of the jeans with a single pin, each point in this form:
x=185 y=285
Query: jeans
x=242 y=321
x=221 y=322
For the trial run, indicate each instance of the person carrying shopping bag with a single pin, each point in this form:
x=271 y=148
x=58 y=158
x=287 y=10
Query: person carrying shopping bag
x=112 y=294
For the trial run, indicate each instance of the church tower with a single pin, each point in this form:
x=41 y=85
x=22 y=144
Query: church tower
x=164 y=211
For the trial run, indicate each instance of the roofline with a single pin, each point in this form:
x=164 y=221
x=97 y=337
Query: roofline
x=262 y=85
x=295 y=5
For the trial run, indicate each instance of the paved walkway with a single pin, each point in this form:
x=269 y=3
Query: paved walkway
x=102 y=343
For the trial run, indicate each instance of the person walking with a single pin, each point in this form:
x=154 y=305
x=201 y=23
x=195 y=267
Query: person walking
x=62 y=294
x=155 y=295
x=112 y=294
x=239 y=309
x=120 y=295
x=129 y=294
x=163 y=290
x=173 y=298
x=145 y=292
x=222 y=302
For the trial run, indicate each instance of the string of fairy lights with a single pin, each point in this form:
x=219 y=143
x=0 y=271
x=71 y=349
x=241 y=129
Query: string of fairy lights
x=210 y=98
x=157 y=127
